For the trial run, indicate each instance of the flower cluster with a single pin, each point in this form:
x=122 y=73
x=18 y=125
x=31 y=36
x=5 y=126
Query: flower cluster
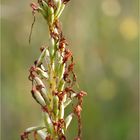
x=53 y=78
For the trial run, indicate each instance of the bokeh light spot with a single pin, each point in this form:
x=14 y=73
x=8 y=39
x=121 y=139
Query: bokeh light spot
x=129 y=28
x=111 y=7
x=106 y=90
x=122 y=67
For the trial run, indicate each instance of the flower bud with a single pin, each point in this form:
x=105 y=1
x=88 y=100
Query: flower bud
x=61 y=85
x=31 y=129
x=61 y=113
x=67 y=102
x=62 y=70
x=50 y=15
x=45 y=6
x=42 y=56
x=68 y=120
x=60 y=11
x=42 y=134
x=73 y=95
x=41 y=72
x=51 y=49
x=42 y=67
x=58 y=2
x=55 y=105
x=44 y=14
x=48 y=123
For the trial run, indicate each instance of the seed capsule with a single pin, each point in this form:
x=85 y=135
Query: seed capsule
x=37 y=96
x=39 y=81
x=45 y=96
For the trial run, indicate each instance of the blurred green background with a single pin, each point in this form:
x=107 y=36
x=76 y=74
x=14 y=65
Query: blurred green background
x=103 y=35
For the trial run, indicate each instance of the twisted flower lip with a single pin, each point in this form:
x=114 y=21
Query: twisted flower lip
x=34 y=6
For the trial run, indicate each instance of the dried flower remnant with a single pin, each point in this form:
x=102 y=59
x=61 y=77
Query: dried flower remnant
x=54 y=81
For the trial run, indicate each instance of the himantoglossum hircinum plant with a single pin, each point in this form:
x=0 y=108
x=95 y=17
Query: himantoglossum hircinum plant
x=53 y=78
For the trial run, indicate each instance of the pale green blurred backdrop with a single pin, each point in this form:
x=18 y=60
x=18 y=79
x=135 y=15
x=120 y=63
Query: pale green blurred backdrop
x=103 y=35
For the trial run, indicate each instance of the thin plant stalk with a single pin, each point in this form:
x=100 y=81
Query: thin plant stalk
x=53 y=78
